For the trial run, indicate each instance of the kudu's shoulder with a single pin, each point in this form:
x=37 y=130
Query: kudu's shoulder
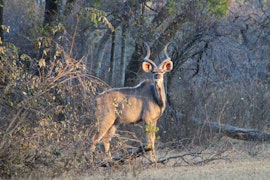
x=144 y=85
x=143 y=90
x=147 y=82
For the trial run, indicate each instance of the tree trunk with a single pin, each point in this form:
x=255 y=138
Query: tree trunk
x=50 y=14
x=133 y=66
x=1 y=20
x=123 y=58
x=111 y=68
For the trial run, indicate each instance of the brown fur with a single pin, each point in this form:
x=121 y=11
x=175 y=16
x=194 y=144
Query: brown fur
x=130 y=105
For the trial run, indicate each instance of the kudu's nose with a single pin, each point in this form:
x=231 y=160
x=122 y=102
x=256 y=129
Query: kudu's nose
x=157 y=76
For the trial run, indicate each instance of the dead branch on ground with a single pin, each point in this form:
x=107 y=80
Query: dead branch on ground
x=234 y=132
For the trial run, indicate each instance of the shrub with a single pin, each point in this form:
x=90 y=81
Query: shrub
x=46 y=116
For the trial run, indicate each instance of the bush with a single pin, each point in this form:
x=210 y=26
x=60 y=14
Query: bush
x=46 y=116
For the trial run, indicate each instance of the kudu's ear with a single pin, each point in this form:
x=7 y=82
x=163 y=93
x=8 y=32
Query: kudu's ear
x=147 y=66
x=166 y=65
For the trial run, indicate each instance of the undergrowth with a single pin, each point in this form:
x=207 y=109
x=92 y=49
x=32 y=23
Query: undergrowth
x=46 y=111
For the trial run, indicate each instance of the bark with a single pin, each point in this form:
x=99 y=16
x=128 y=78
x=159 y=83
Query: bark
x=1 y=20
x=134 y=65
x=111 y=68
x=123 y=58
x=233 y=132
x=50 y=14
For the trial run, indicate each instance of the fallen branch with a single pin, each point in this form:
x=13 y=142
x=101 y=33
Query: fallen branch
x=234 y=132
x=131 y=154
x=141 y=151
x=165 y=160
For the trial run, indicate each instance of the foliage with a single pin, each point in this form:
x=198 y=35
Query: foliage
x=149 y=129
x=209 y=7
x=46 y=121
x=172 y=7
x=97 y=17
x=218 y=8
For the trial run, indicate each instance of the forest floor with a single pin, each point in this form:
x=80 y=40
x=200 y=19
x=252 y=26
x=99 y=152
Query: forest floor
x=239 y=160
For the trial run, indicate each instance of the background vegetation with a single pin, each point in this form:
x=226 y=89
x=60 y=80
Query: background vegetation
x=55 y=56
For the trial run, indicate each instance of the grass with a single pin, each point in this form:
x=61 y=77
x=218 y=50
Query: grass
x=244 y=169
x=235 y=163
x=239 y=169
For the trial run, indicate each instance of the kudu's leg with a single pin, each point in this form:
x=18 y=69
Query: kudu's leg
x=151 y=136
x=105 y=125
x=107 y=139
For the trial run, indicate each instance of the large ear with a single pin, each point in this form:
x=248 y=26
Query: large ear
x=166 y=65
x=147 y=66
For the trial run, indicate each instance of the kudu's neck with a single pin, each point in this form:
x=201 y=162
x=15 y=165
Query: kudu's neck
x=159 y=93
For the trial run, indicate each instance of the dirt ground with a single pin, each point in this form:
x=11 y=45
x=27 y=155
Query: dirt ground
x=243 y=160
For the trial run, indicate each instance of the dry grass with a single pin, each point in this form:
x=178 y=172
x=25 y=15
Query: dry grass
x=237 y=162
x=240 y=169
x=245 y=168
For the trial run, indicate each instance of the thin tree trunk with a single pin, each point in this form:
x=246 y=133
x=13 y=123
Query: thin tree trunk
x=123 y=58
x=111 y=68
x=1 y=20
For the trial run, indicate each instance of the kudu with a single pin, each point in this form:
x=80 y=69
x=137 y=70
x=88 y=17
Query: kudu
x=130 y=105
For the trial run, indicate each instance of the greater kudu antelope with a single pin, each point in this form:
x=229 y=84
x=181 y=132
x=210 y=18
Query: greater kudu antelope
x=146 y=101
